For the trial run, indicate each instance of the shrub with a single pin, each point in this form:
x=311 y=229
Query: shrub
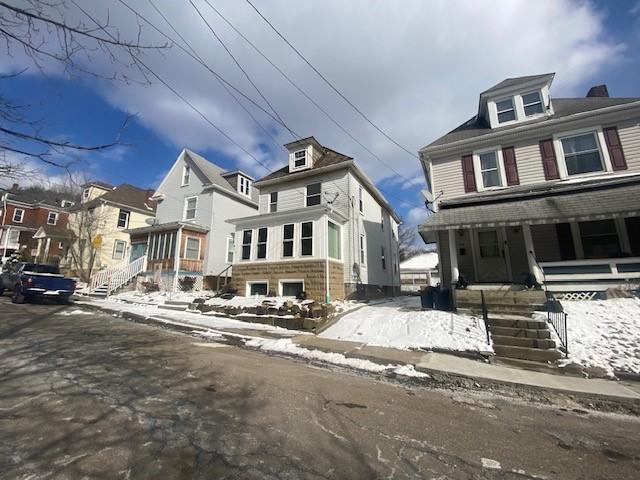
x=186 y=283
x=150 y=286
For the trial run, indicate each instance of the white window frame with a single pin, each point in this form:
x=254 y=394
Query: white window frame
x=292 y=240
x=360 y=199
x=273 y=206
x=14 y=236
x=339 y=259
x=313 y=228
x=478 y=172
x=231 y=247
x=602 y=147
x=66 y=203
x=186 y=244
x=126 y=225
x=61 y=245
x=288 y=280
x=244 y=186
x=15 y=211
x=85 y=194
x=195 y=209
x=293 y=167
x=306 y=194
x=383 y=257
x=258 y=243
x=514 y=107
x=55 y=218
x=115 y=249
x=242 y=245
x=252 y=282
x=363 y=251
x=186 y=175
x=540 y=97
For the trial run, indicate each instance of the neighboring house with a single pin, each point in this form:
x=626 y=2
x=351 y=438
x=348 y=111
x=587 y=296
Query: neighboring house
x=190 y=236
x=322 y=228
x=419 y=271
x=102 y=219
x=536 y=189
x=35 y=219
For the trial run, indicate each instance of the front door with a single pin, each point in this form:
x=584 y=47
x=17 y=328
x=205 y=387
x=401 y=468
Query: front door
x=491 y=256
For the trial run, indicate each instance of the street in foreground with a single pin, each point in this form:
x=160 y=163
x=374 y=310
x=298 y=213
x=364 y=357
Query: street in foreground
x=98 y=397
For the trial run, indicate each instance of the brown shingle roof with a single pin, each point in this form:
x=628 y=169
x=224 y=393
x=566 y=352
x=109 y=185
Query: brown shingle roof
x=125 y=195
x=328 y=157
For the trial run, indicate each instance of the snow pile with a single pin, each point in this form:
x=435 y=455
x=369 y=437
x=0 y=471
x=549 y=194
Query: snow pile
x=286 y=346
x=160 y=298
x=422 y=262
x=402 y=324
x=77 y=311
x=604 y=333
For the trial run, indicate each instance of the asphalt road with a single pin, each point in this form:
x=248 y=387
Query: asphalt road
x=92 y=396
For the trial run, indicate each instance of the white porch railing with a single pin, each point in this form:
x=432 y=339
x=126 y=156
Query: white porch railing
x=589 y=273
x=115 y=277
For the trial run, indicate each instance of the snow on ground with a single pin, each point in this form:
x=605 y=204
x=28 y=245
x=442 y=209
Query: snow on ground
x=77 y=311
x=604 y=333
x=208 y=321
x=401 y=323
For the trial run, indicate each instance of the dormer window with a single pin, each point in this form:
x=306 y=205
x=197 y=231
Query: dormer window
x=532 y=103
x=506 y=112
x=244 y=185
x=85 y=194
x=300 y=159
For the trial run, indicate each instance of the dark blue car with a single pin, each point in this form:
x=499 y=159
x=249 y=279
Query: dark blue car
x=29 y=281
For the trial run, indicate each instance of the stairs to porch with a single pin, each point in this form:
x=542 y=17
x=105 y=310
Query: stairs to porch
x=106 y=282
x=515 y=333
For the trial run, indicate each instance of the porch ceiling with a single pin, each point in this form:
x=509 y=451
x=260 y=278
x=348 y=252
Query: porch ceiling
x=621 y=201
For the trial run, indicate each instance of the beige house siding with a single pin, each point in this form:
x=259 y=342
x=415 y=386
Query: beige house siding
x=629 y=133
x=529 y=162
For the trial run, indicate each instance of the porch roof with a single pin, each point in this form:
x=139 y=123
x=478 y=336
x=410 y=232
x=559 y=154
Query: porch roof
x=170 y=226
x=592 y=204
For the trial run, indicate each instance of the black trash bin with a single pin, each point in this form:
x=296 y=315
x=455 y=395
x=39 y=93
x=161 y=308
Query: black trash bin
x=427 y=297
x=442 y=300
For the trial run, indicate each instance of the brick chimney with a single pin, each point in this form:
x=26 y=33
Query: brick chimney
x=598 y=91
x=14 y=188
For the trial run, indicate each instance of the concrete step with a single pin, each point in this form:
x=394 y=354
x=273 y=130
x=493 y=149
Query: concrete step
x=502 y=296
x=519 y=332
x=525 y=323
x=525 y=353
x=523 y=342
x=177 y=308
x=526 y=310
x=177 y=303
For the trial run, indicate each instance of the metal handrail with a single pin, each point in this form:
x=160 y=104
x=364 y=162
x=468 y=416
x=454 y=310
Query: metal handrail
x=557 y=317
x=485 y=317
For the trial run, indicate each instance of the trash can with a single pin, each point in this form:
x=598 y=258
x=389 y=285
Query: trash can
x=442 y=300
x=427 y=296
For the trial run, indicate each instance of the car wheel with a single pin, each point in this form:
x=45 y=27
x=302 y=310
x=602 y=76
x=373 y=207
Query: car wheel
x=1 y=291
x=18 y=296
x=64 y=301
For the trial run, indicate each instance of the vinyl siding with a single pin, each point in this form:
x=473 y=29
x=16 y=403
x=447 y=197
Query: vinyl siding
x=629 y=133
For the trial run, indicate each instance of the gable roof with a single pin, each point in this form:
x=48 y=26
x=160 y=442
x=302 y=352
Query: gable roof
x=562 y=107
x=35 y=195
x=123 y=195
x=512 y=82
x=328 y=157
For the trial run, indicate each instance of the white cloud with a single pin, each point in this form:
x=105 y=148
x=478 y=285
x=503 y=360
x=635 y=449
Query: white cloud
x=416 y=68
x=416 y=215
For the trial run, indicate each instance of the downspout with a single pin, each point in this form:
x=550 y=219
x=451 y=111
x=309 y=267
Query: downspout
x=177 y=259
x=327 y=297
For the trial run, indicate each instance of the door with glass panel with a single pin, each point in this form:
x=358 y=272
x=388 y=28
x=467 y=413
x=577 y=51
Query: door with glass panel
x=490 y=256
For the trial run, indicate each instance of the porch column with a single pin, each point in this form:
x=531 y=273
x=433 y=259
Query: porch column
x=47 y=246
x=534 y=269
x=453 y=255
x=177 y=259
x=40 y=254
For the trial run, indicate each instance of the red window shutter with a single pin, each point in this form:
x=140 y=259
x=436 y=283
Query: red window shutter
x=510 y=167
x=468 y=174
x=615 y=148
x=549 y=160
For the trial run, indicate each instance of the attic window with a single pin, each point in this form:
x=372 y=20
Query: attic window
x=85 y=194
x=532 y=103
x=244 y=185
x=186 y=174
x=506 y=112
x=300 y=158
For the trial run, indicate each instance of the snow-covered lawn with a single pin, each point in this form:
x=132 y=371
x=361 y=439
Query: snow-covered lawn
x=402 y=324
x=604 y=333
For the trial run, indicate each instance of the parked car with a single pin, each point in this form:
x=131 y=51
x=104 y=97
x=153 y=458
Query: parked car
x=29 y=281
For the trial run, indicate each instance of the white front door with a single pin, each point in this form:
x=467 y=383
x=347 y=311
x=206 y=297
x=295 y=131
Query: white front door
x=491 y=256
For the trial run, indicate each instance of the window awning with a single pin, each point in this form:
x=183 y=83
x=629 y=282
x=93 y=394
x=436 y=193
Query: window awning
x=594 y=204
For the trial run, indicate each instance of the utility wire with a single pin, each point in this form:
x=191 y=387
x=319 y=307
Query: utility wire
x=308 y=97
x=329 y=83
x=228 y=90
x=235 y=60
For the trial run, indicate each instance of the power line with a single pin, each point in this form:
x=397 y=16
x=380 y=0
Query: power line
x=228 y=90
x=329 y=83
x=235 y=60
x=308 y=97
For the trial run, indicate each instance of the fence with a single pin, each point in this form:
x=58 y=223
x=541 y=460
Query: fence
x=558 y=320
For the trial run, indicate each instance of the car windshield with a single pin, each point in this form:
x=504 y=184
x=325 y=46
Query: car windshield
x=38 y=268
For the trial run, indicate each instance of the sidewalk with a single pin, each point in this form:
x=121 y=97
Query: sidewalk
x=389 y=359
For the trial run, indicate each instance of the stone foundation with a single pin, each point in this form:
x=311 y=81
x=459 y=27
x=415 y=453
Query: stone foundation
x=311 y=271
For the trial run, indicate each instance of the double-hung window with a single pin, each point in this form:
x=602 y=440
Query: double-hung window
x=383 y=258
x=313 y=194
x=287 y=240
x=334 y=241
x=532 y=103
x=363 y=255
x=582 y=154
x=119 y=247
x=186 y=175
x=261 y=246
x=273 y=202
x=85 y=194
x=244 y=185
x=489 y=169
x=123 y=218
x=360 y=200
x=192 y=248
x=230 y=247
x=190 y=207
x=300 y=159
x=52 y=219
x=599 y=239
x=506 y=112
x=18 y=215
x=306 y=240
x=246 y=244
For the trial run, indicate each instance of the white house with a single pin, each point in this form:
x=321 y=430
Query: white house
x=419 y=271
x=322 y=227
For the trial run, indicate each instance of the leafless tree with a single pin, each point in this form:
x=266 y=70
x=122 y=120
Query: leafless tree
x=86 y=222
x=409 y=244
x=60 y=35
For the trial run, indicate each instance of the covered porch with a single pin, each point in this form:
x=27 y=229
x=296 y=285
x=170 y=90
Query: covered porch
x=585 y=240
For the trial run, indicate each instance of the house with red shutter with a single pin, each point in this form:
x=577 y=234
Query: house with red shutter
x=535 y=189
x=35 y=219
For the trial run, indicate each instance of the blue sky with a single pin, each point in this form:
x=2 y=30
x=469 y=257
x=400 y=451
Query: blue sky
x=598 y=45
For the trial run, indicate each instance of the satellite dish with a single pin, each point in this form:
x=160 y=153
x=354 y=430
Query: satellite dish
x=428 y=196
x=152 y=221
